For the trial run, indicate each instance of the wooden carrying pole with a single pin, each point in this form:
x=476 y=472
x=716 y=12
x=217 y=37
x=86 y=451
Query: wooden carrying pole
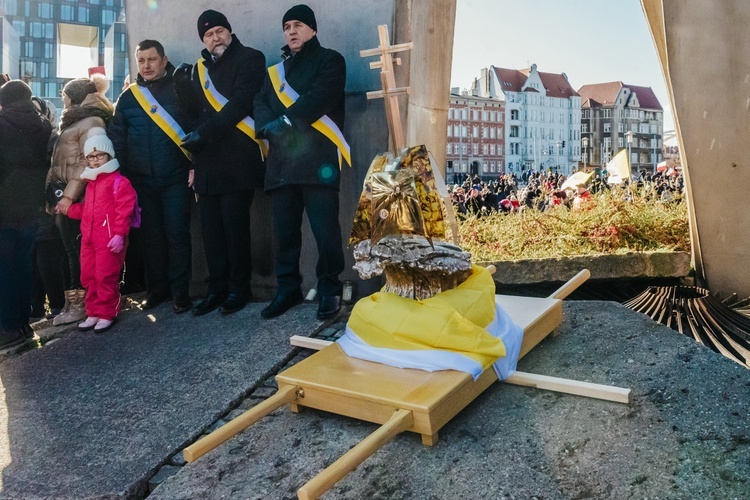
x=237 y=425
x=398 y=423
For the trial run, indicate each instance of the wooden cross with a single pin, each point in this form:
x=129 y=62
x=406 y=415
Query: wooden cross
x=388 y=80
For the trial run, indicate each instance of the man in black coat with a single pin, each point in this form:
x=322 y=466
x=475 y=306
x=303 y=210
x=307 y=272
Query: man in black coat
x=299 y=98
x=23 y=169
x=146 y=131
x=218 y=93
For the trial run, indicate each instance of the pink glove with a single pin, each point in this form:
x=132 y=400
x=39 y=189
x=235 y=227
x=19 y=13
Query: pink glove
x=116 y=244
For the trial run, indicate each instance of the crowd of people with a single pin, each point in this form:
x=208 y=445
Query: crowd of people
x=213 y=132
x=544 y=191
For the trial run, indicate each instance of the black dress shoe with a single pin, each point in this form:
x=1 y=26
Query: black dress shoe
x=153 y=300
x=234 y=303
x=329 y=306
x=12 y=337
x=181 y=302
x=208 y=304
x=281 y=304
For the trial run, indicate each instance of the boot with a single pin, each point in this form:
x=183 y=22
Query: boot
x=69 y=297
x=77 y=309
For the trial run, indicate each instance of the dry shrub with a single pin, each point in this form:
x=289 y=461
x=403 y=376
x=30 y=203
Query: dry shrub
x=611 y=223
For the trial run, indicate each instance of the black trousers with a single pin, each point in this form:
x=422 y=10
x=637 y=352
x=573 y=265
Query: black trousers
x=322 y=207
x=49 y=275
x=225 y=226
x=70 y=231
x=16 y=274
x=165 y=236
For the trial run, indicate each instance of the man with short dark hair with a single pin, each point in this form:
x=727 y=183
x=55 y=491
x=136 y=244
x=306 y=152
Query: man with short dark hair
x=218 y=94
x=300 y=110
x=147 y=130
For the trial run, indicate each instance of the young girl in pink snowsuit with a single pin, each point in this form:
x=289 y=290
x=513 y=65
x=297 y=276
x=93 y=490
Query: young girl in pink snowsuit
x=105 y=215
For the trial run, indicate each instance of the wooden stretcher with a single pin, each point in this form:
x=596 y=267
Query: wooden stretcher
x=399 y=399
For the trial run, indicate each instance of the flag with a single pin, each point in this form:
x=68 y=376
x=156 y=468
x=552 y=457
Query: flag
x=461 y=329
x=576 y=179
x=619 y=168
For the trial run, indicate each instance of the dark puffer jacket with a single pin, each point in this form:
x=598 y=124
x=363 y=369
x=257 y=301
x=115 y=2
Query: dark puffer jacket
x=304 y=155
x=148 y=157
x=231 y=161
x=23 y=163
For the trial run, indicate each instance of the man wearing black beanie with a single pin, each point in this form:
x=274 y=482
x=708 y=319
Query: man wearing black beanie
x=218 y=94
x=300 y=110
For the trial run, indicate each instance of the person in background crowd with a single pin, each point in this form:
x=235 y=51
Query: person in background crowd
x=24 y=135
x=303 y=163
x=146 y=131
x=218 y=94
x=85 y=107
x=49 y=254
x=105 y=215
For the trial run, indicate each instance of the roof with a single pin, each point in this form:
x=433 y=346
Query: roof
x=557 y=84
x=512 y=80
x=606 y=93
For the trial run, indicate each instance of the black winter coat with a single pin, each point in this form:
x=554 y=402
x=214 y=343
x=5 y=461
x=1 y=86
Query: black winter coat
x=303 y=155
x=231 y=161
x=23 y=163
x=147 y=156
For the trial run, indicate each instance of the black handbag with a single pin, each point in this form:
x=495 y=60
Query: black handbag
x=54 y=192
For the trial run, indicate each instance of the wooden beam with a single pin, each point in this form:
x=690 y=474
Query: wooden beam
x=586 y=389
x=398 y=423
x=556 y=384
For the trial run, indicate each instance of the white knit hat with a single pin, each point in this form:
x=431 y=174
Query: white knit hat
x=99 y=142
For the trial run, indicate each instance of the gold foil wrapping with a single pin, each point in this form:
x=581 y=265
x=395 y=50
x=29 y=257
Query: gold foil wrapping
x=427 y=221
x=395 y=205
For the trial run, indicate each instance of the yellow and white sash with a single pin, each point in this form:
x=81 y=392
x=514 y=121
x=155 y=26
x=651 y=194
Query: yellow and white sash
x=288 y=96
x=159 y=115
x=218 y=101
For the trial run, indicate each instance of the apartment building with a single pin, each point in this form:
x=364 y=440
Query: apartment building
x=475 y=136
x=617 y=116
x=47 y=43
x=542 y=117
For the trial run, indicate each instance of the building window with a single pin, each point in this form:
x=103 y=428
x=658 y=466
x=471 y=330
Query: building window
x=492 y=149
x=464 y=114
x=450 y=113
x=620 y=127
x=514 y=114
x=492 y=132
x=83 y=14
x=607 y=143
x=44 y=10
x=514 y=131
x=485 y=133
x=51 y=90
x=475 y=115
x=584 y=127
x=28 y=49
x=475 y=131
x=450 y=130
x=485 y=149
x=49 y=50
x=464 y=131
x=492 y=166
x=449 y=149
x=475 y=149
x=108 y=17
x=67 y=13
x=485 y=167
x=464 y=149
x=607 y=127
x=620 y=142
x=20 y=27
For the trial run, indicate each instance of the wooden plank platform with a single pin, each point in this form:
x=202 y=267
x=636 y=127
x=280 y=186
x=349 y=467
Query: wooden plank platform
x=332 y=381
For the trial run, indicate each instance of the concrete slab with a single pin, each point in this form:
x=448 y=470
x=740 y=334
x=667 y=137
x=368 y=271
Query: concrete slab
x=684 y=435
x=94 y=416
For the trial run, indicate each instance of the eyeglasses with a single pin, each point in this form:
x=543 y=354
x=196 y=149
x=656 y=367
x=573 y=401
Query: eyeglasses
x=96 y=156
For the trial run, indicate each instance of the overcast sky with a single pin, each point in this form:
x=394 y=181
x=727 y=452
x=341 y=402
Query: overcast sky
x=592 y=41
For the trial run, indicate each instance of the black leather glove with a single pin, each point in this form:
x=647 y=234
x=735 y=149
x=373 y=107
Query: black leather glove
x=193 y=142
x=277 y=128
x=183 y=73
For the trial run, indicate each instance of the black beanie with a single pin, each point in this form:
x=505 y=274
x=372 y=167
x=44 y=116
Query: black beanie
x=302 y=13
x=211 y=19
x=14 y=91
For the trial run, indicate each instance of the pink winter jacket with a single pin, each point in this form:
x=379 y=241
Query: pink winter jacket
x=103 y=213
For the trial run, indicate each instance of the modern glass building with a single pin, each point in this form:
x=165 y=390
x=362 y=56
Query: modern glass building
x=57 y=40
